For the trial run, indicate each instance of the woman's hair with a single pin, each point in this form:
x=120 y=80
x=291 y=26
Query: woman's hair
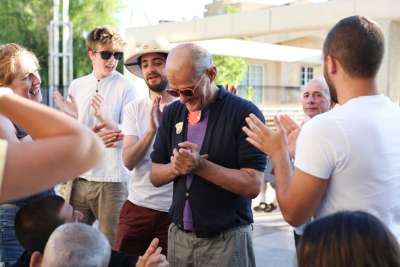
x=345 y=239
x=8 y=61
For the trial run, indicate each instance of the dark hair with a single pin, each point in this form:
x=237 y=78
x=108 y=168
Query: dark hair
x=344 y=239
x=358 y=44
x=35 y=222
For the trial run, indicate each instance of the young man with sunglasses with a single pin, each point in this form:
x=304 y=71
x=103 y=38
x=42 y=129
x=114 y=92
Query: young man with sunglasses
x=144 y=215
x=201 y=148
x=99 y=99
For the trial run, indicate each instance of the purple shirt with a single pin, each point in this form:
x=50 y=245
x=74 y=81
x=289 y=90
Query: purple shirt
x=195 y=134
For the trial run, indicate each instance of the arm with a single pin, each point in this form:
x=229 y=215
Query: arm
x=244 y=182
x=68 y=106
x=162 y=174
x=62 y=149
x=299 y=194
x=134 y=149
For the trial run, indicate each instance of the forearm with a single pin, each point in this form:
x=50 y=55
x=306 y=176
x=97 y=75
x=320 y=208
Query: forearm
x=39 y=120
x=283 y=171
x=32 y=167
x=161 y=174
x=136 y=152
x=243 y=182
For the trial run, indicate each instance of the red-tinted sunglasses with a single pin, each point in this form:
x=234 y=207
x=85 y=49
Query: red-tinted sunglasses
x=188 y=92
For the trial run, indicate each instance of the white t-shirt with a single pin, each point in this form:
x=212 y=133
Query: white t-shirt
x=117 y=91
x=141 y=190
x=357 y=147
x=3 y=156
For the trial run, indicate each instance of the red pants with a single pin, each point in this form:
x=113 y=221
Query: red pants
x=138 y=226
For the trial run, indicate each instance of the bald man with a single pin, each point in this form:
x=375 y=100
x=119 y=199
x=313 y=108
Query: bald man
x=316 y=98
x=201 y=148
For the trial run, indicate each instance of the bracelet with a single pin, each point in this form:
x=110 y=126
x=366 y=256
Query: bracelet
x=5 y=91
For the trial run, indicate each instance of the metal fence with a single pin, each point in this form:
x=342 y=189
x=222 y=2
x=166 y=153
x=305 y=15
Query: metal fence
x=264 y=95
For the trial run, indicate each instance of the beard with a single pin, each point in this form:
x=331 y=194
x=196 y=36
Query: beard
x=160 y=87
x=332 y=88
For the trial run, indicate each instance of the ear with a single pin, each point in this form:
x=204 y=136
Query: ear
x=212 y=73
x=36 y=259
x=331 y=65
x=91 y=54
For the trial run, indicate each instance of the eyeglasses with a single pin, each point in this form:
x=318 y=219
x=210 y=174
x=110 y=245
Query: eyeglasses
x=107 y=54
x=189 y=92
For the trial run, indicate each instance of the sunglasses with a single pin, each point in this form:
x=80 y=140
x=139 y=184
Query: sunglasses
x=189 y=92
x=107 y=54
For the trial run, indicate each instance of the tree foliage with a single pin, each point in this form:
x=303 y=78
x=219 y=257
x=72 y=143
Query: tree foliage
x=25 y=22
x=230 y=69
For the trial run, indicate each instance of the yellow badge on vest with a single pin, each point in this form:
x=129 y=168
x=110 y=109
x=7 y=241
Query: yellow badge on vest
x=179 y=127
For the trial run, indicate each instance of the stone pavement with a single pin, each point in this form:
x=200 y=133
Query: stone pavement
x=273 y=240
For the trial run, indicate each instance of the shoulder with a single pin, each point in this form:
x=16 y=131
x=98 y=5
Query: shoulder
x=323 y=126
x=137 y=104
x=234 y=104
x=82 y=80
x=121 y=79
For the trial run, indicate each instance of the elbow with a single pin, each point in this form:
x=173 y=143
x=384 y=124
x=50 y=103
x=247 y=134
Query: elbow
x=292 y=218
x=153 y=178
x=252 y=191
x=127 y=164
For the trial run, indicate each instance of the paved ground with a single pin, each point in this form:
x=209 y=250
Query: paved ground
x=272 y=237
x=273 y=241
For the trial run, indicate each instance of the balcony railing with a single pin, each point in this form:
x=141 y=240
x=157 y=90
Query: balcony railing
x=266 y=95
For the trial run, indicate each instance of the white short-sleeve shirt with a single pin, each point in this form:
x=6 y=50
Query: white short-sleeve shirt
x=141 y=190
x=357 y=147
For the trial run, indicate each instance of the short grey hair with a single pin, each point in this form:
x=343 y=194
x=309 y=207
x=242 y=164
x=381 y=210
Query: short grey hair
x=76 y=245
x=202 y=60
x=321 y=84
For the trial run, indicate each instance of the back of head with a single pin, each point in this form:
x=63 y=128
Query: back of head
x=104 y=35
x=356 y=239
x=8 y=60
x=358 y=44
x=35 y=222
x=76 y=245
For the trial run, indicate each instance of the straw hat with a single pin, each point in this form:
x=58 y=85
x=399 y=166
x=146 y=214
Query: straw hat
x=132 y=63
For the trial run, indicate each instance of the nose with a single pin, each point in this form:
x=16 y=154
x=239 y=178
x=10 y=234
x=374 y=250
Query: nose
x=310 y=99
x=36 y=79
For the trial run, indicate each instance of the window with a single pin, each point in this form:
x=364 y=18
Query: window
x=252 y=84
x=307 y=74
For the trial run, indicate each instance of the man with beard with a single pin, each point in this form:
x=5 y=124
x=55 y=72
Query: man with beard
x=346 y=158
x=144 y=215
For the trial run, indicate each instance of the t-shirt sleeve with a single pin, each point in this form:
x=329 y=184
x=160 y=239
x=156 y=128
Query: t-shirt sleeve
x=318 y=148
x=160 y=152
x=129 y=122
x=248 y=155
x=3 y=155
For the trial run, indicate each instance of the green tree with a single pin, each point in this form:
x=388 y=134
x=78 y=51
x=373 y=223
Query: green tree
x=230 y=69
x=25 y=22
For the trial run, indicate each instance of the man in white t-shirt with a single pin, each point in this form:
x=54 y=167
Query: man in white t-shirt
x=144 y=215
x=99 y=99
x=347 y=158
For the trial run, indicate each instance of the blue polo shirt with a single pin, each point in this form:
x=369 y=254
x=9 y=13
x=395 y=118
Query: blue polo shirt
x=214 y=209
